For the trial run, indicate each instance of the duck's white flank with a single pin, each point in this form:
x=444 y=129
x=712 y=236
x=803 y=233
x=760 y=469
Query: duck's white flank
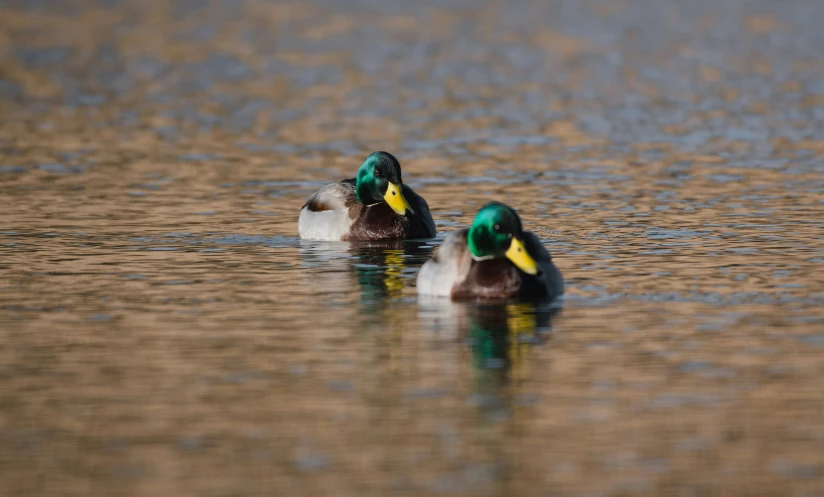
x=331 y=223
x=437 y=279
x=444 y=271
x=324 y=225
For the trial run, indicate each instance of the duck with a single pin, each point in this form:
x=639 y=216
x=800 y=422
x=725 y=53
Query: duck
x=375 y=205
x=494 y=259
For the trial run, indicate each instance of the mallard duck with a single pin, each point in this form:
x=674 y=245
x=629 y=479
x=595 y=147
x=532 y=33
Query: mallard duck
x=374 y=206
x=493 y=259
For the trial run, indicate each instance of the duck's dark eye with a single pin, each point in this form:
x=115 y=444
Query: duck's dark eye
x=509 y=235
x=378 y=173
x=497 y=227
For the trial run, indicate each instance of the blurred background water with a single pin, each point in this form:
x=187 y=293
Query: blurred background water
x=163 y=331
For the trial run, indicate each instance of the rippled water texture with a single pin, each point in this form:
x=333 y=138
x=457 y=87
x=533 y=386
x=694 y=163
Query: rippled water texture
x=164 y=332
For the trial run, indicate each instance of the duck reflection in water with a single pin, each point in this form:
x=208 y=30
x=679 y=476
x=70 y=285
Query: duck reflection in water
x=384 y=268
x=499 y=339
x=381 y=268
x=500 y=336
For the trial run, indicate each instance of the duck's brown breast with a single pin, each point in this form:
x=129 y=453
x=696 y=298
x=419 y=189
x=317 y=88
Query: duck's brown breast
x=378 y=222
x=491 y=279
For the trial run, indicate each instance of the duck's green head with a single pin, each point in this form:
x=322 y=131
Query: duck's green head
x=497 y=232
x=379 y=180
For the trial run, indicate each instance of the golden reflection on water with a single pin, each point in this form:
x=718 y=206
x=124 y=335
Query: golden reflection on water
x=164 y=332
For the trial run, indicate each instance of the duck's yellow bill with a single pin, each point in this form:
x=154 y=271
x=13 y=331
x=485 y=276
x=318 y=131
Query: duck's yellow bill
x=520 y=257
x=394 y=197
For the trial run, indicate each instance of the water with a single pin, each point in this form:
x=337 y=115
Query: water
x=164 y=332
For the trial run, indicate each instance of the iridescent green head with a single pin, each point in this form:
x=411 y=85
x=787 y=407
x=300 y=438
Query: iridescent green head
x=379 y=180
x=497 y=233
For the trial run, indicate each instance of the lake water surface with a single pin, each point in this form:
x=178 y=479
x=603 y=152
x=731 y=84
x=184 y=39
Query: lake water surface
x=163 y=331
